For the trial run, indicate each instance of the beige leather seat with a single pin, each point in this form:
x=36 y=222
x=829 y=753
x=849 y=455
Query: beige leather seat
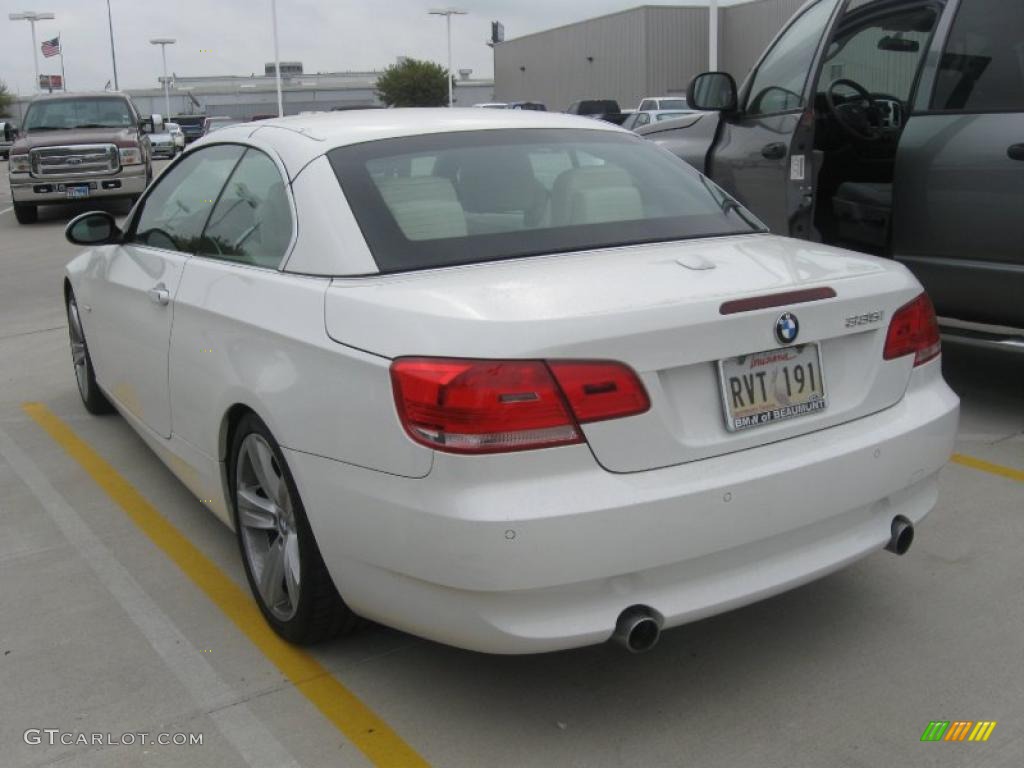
x=424 y=207
x=594 y=194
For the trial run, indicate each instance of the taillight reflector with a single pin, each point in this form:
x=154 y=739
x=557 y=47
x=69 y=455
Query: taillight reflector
x=597 y=391
x=490 y=406
x=914 y=330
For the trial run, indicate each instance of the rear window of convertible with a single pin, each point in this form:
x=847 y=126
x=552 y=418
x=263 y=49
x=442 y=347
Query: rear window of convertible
x=467 y=197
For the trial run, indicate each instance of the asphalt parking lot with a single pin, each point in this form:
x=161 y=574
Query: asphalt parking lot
x=121 y=615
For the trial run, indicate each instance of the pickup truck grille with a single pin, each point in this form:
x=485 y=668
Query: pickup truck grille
x=83 y=160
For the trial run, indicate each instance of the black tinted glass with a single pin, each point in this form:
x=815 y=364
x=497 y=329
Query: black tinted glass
x=466 y=197
x=982 y=66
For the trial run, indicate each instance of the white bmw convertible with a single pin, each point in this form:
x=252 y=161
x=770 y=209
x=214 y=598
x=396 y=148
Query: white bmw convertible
x=512 y=381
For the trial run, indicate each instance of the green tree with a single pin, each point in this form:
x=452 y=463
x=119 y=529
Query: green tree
x=414 y=83
x=6 y=100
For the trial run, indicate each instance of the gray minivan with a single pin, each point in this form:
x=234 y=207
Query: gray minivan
x=894 y=127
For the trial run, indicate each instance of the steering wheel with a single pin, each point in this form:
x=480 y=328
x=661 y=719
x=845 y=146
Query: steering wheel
x=860 y=117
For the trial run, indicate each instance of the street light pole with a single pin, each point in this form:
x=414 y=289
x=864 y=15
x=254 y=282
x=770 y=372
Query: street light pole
x=277 y=59
x=113 y=56
x=713 y=35
x=32 y=17
x=448 y=13
x=163 y=42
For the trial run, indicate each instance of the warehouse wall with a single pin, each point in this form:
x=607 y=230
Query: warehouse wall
x=552 y=66
x=645 y=51
x=745 y=30
x=677 y=49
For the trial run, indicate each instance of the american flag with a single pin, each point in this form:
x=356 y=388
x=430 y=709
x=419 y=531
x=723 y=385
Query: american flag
x=51 y=47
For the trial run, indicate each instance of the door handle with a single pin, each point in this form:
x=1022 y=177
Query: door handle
x=774 y=151
x=1016 y=151
x=159 y=294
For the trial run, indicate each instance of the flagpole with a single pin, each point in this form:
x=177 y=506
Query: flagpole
x=63 y=77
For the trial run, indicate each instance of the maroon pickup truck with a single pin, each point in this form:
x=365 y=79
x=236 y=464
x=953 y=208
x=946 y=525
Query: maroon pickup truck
x=78 y=146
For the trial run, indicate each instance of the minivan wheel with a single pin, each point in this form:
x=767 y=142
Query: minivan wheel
x=282 y=562
x=85 y=375
x=26 y=213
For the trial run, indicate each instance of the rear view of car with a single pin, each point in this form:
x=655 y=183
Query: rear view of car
x=594 y=400
x=191 y=126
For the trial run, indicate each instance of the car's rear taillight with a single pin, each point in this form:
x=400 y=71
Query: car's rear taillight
x=599 y=390
x=490 y=406
x=914 y=330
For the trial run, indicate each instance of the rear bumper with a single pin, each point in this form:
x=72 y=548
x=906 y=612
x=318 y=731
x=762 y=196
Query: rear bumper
x=541 y=551
x=129 y=182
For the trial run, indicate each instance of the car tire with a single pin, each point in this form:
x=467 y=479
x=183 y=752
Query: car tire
x=26 y=213
x=273 y=532
x=85 y=374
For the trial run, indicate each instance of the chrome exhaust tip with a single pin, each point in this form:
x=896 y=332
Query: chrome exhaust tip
x=637 y=629
x=902 y=535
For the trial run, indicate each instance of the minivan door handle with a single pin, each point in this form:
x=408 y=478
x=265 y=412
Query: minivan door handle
x=1016 y=152
x=159 y=294
x=774 y=151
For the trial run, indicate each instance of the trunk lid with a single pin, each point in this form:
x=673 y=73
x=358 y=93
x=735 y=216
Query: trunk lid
x=657 y=308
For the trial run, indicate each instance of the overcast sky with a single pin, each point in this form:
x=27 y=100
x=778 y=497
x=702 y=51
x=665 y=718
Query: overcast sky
x=220 y=37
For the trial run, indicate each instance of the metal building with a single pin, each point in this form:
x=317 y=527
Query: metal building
x=651 y=50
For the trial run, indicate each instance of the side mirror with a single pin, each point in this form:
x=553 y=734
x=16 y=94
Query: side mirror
x=146 y=125
x=713 y=92
x=94 y=228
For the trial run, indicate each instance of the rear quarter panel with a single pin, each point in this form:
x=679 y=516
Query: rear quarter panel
x=251 y=336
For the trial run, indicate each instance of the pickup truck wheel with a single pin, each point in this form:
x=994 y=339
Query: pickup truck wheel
x=26 y=213
x=92 y=397
x=282 y=561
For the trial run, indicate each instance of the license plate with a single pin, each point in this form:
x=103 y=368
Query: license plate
x=75 y=193
x=771 y=386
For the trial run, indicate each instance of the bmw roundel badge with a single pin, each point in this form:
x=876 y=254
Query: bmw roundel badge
x=786 y=328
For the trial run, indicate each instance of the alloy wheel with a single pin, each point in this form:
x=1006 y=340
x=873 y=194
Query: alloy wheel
x=266 y=519
x=78 y=354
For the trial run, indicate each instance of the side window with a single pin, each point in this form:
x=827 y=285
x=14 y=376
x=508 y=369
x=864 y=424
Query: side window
x=252 y=221
x=779 y=82
x=982 y=67
x=883 y=53
x=174 y=213
x=647 y=104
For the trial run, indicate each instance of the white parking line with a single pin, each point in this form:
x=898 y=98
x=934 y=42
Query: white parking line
x=242 y=729
x=5 y=210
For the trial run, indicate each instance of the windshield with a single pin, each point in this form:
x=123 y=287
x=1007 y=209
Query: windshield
x=466 y=197
x=60 y=114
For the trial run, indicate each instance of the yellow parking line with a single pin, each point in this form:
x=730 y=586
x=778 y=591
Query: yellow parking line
x=352 y=717
x=985 y=466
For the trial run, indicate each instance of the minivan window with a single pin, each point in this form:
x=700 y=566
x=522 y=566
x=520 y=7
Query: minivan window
x=880 y=52
x=494 y=195
x=779 y=82
x=982 y=66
